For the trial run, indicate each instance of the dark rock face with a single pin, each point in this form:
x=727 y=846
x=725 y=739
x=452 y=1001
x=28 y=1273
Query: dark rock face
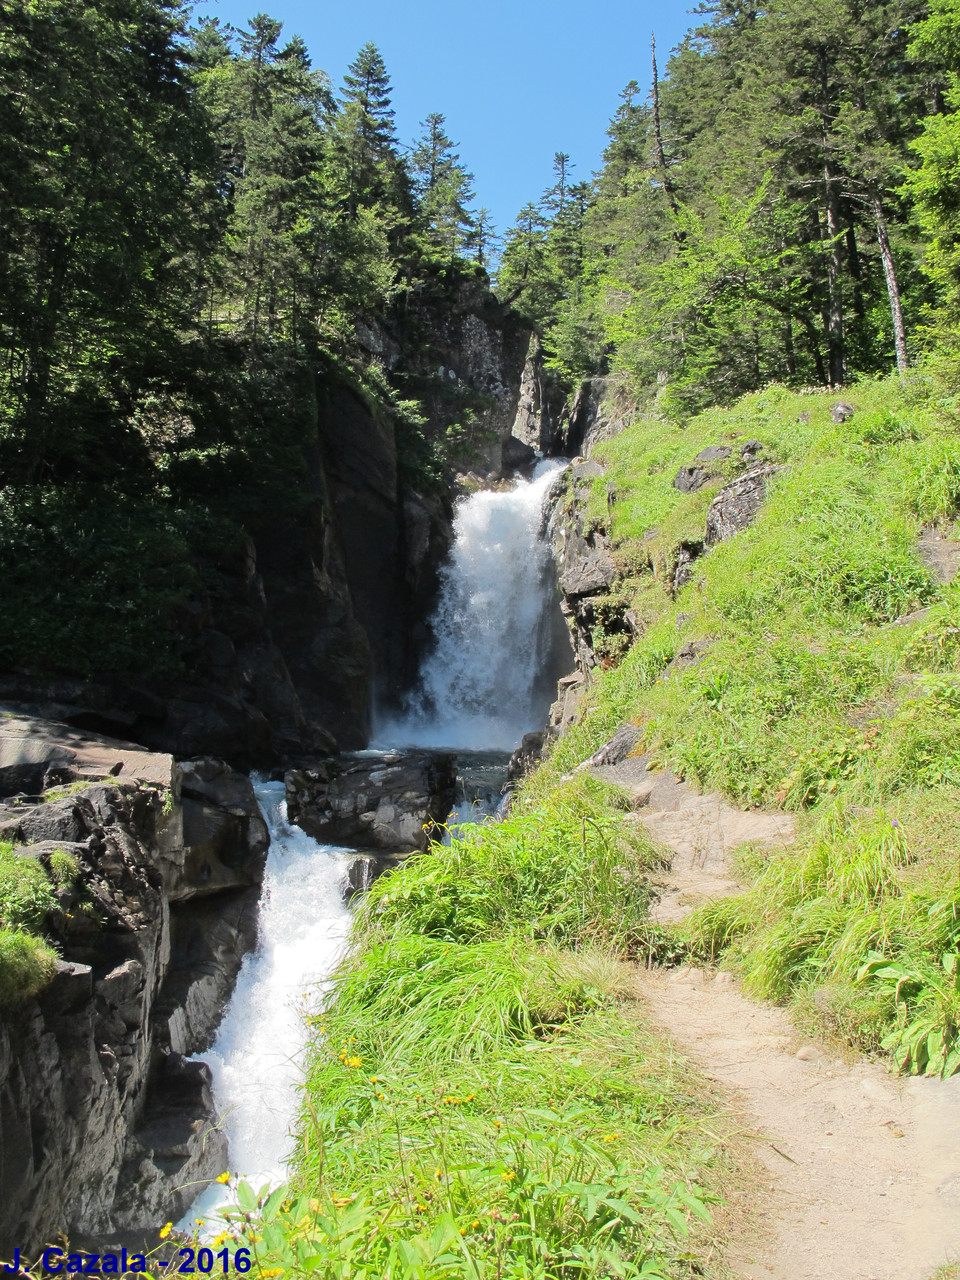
x=737 y=504
x=526 y=757
x=103 y=1125
x=394 y=801
x=687 y=554
x=694 y=476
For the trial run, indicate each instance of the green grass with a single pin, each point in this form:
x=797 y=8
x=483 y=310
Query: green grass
x=806 y=698
x=484 y=1098
x=27 y=963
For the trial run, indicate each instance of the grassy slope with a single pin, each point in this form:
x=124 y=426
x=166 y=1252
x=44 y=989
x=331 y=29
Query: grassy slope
x=484 y=1099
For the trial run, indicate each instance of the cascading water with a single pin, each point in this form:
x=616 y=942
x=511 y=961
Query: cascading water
x=256 y=1058
x=500 y=644
x=497 y=626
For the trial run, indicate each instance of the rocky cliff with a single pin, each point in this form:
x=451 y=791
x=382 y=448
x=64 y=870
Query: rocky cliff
x=294 y=629
x=104 y=1124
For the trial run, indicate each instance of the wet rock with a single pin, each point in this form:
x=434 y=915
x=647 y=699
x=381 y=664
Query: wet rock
x=394 y=800
x=209 y=939
x=84 y=1061
x=526 y=757
x=737 y=504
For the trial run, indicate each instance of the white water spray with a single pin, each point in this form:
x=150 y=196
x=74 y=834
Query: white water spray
x=257 y=1057
x=494 y=627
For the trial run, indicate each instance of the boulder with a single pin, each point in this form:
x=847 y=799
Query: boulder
x=617 y=748
x=737 y=504
x=526 y=757
x=697 y=473
x=391 y=800
x=842 y=411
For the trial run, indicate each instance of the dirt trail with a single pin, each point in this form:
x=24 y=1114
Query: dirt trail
x=864 y=1168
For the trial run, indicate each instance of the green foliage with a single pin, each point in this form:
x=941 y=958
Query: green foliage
x=26 y=966
x=565 y=874
x=26 y=894
x=750 y=220
x=62 y=868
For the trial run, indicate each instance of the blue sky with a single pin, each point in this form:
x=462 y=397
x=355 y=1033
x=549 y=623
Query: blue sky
x=517 y=79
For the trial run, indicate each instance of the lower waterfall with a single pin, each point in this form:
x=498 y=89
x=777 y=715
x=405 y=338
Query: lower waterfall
x=256 y=1058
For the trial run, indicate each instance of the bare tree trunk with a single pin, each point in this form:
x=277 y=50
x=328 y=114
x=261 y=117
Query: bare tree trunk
x=834 y=314
x=893 y=289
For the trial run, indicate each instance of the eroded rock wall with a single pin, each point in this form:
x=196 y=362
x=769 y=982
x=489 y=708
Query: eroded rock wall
x=104 y=1124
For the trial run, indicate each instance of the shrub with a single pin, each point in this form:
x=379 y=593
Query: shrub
x=26 y=966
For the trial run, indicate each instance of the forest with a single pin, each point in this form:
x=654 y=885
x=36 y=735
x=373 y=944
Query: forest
x=195 y=220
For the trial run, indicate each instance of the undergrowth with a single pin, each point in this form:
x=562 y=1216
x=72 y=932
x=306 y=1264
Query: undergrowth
x=27 y=962
x=825 y=682
x=484 y=1099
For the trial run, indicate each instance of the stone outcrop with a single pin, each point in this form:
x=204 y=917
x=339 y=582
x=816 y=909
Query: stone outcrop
x=737 y=504
x=390 y=800
x=104 y=1125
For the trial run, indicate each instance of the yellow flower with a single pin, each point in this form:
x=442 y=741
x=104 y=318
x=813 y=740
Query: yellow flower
x=223 y=1177
x=509 y=1175
x=165 y=1230
x=438 y=1174
x=474 y=1225
x=354 y=1062
x=381 y=1096
x=469 y=1097
x=373 y=1079
x=463 y=1231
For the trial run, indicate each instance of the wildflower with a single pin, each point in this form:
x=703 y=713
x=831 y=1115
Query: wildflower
x=270 y=1272
x=463 y=1231
x=421 y=1208
x=353 y=1062
x=474 y=1225
x=223 y=1177
x=438 y=1174
x=509 y=1175
x=894 y=823
x=165 y=1230
x=469 y=1097
x=373 y=1079
x=497 y=1123
x=381 y=1096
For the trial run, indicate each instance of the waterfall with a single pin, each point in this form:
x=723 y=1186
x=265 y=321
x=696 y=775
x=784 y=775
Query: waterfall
x=256 y=1058
x=500 y=645
x=498 y=630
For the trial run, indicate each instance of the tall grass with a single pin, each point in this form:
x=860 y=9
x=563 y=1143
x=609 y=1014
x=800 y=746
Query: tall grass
x=483 y=1097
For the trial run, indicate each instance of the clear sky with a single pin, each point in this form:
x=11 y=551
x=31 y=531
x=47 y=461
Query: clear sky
x=517 y=79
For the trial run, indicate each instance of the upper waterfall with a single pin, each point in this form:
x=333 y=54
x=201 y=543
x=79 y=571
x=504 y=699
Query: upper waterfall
x=500 y=642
